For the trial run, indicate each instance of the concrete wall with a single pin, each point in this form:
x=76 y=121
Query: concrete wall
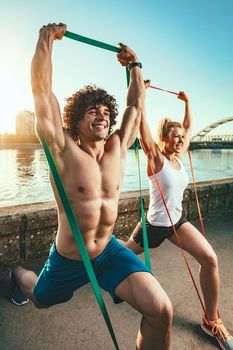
x=27 y=231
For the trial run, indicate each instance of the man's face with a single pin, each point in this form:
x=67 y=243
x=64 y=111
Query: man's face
x=95 y=123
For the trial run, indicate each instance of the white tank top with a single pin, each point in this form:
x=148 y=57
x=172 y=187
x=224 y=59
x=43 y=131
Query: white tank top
x=172 y=183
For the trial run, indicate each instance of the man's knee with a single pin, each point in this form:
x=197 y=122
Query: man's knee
x=166 y=311
x=161 y=311
x=36 y=303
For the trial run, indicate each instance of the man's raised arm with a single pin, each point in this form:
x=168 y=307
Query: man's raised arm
x=135 y=98
x=46 y=105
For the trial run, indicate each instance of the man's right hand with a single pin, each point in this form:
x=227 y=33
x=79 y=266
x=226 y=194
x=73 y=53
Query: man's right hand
x=58 y=30
x=46 y=105
x=126 y=55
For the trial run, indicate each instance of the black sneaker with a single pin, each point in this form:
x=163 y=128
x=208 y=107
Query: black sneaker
x=17 y=297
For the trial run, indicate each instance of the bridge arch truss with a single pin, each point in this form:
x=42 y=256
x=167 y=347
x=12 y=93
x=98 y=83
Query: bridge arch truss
x=203 y=132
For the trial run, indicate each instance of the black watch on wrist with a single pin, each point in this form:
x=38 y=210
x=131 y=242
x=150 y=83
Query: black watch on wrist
x=134 y=64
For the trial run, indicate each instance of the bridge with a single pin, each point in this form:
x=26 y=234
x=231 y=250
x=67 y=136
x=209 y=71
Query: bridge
x=203 y=140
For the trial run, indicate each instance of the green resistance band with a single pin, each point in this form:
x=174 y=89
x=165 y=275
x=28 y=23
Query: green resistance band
x=92 y=42
x=96 y=43
x=144 y=232
x=66 y=203
x=77 y=236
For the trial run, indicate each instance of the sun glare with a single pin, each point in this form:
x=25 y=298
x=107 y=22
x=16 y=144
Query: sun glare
x=15 y=97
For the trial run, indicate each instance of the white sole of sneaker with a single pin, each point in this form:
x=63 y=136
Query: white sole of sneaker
x=23 y=303
x=207 y=331
x=211 y=335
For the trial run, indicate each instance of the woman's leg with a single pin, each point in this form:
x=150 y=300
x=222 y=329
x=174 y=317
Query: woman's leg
x=195 y=244
x=131 y=244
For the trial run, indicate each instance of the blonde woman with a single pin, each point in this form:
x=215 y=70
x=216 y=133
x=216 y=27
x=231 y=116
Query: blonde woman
x=165 y=160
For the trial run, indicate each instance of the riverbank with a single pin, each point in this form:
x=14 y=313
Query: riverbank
x=211 y=145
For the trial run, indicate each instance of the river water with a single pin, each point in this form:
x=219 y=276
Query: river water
x=24 y=173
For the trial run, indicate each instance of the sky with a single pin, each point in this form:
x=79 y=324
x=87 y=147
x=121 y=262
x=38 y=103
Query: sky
x=182 y=44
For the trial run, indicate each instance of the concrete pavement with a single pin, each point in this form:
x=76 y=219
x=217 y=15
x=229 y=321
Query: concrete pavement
x=79 y=325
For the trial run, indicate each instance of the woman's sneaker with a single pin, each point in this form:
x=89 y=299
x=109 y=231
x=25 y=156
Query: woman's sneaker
x=17 y=297
x=217 y=330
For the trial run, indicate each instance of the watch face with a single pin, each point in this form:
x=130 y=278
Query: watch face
x=134 y=64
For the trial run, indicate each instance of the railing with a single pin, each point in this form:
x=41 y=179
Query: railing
x=213 y=138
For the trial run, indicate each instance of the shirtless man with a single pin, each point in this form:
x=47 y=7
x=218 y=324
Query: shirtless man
x=91 y=165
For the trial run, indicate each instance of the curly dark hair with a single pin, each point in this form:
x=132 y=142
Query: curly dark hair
x=80 y=101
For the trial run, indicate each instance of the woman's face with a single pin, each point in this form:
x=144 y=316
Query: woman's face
x=175 y=140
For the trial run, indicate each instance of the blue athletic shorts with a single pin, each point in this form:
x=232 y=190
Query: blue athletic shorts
x=61 y=276
x=156 y=234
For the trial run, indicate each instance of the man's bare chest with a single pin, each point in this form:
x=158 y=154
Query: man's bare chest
x=92 y=178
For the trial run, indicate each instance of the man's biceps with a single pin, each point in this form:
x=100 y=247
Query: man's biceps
x=43 y=115
x=130 y=113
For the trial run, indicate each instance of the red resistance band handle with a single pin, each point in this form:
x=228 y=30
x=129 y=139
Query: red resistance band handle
x=157 y=88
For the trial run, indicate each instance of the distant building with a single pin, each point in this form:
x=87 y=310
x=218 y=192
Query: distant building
x=25 y=124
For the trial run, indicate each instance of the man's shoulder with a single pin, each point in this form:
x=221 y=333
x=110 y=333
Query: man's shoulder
x=68 y=137
x=113 y=140
x=71 y=145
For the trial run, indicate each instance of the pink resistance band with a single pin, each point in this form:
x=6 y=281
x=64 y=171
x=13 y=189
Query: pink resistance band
x=181 y=247
x=178 y=240
x=191 y=166
x=157 y=88
x=199 y=212
x=196 y=195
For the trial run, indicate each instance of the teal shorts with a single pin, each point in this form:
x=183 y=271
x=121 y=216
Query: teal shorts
x=61 y=276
